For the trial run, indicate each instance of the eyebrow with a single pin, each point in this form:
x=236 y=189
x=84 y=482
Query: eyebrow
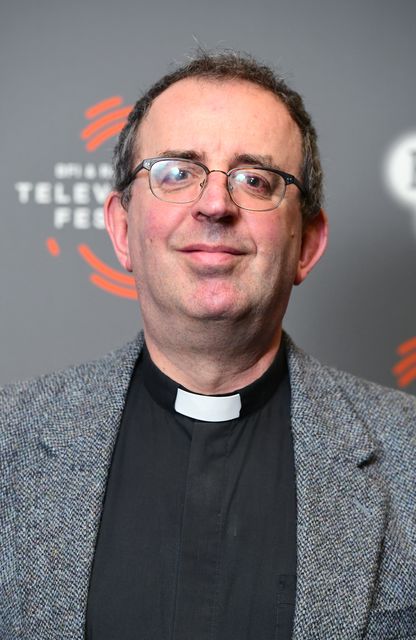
x=238 y=159
x=180 y=153
x=255 y=159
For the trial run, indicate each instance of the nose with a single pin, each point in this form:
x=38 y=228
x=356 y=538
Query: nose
x=215 y=203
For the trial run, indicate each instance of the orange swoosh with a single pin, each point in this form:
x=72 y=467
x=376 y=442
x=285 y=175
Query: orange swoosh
x=404 y=364
x=104 y=135
x=407 y=346
x=123 y=292
x=53 y=247
x=104 y=105
x=407 y=378
x=97 y=264
x=109 y=117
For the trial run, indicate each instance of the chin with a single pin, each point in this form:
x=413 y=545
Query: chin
x=215 y=310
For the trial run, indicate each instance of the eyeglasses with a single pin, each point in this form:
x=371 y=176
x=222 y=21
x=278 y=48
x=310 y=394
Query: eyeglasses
x=183 y=181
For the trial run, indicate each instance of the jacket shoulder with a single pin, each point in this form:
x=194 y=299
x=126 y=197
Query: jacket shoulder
x=390 y=414
x=28 y=407
x=389 y=411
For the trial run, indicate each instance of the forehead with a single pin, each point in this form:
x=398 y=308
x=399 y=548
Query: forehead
x=220 y=118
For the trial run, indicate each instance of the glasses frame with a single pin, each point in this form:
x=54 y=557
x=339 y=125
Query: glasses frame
x=148 y=163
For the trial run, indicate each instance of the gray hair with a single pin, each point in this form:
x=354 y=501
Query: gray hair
x=228 y=65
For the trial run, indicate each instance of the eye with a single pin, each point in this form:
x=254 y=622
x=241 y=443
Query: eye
x=173 y=174
x=258 y=182
x=176 y=174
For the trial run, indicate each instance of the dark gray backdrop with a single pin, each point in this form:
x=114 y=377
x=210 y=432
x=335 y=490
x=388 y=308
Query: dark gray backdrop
x=354 y=64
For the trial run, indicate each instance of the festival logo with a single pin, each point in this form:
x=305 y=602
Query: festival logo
x=77 y=193
x=400 y=177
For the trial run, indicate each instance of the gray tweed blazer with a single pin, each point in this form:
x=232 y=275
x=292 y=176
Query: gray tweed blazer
x=356 y=486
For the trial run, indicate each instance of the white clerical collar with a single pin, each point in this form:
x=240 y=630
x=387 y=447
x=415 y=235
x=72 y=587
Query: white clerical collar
x=239 y=404
x=208 y=408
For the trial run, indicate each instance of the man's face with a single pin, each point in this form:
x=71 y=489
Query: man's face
x=209 y=259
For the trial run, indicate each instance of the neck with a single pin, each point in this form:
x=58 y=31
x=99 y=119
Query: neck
x=211 y=360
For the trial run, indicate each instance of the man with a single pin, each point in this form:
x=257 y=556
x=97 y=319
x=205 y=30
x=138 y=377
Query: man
x=215 y=482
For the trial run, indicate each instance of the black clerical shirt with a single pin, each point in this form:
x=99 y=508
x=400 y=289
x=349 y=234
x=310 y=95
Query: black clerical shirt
x=198 y=533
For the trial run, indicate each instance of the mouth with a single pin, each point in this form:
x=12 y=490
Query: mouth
x=210 y=248
x=212 y=258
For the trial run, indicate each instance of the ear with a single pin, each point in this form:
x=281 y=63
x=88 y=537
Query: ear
x=314 y=241
x=117 y=225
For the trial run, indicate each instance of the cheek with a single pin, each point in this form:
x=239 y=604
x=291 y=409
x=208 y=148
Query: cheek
x=149 y=232
x=278 y=240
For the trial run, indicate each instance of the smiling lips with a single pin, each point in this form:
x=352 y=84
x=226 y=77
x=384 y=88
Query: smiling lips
x=212 y=255
x=205 y=248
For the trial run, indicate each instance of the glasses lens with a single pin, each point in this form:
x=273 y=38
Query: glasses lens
x=256 y=189
x=176 y=180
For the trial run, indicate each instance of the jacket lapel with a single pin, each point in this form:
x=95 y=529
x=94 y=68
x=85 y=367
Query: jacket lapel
x=61 y=496
x=341 y=505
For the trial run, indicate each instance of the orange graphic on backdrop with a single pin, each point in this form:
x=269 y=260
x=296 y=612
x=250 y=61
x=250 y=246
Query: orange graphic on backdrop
x=107 y=125
x=53 y=247
x=107 y=278
x=108 y=118
x=405 y=369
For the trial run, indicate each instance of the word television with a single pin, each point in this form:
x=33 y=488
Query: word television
x=76 y=194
